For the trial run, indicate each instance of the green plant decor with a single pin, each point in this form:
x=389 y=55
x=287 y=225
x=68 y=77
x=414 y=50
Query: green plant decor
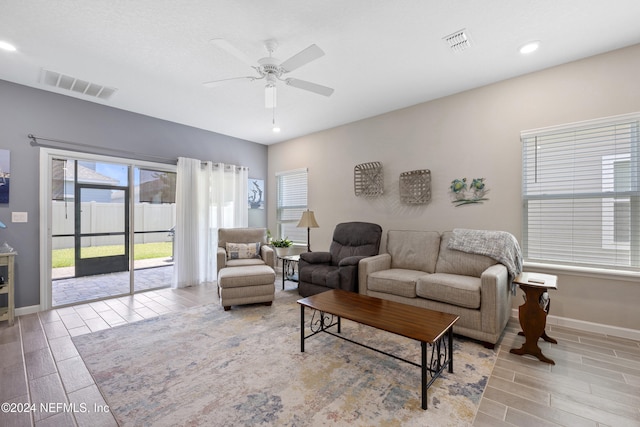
x=282 y=243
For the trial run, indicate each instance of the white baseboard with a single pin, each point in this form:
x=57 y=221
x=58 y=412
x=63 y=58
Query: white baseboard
x=27 y=310
x=598 y=328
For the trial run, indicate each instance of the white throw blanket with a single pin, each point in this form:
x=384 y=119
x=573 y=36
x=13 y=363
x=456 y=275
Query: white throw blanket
x=499 y=245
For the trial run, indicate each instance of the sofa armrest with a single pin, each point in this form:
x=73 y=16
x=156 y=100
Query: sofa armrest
x=221 y=259
x=350 y=260
x=268 y=255
x=316 y=257
x=370 y=265
x=495 y=303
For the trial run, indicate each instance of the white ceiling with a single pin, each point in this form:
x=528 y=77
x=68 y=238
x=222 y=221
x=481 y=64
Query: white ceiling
x=379 y=55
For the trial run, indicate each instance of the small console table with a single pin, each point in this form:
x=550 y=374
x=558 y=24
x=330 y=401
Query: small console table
x=7 y=288
x=533 y=313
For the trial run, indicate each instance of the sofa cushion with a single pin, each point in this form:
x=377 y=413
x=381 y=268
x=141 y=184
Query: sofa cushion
x=241 y=235
x=243 y=250
x=413 y=250
x=396 y=281
x=320 y=274
x=463 y=291
x=452 y=261
x=354 y=239
x=244 y=262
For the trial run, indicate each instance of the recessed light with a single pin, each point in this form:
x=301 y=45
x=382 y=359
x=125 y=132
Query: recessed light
x=530 y=47
x=7 y=46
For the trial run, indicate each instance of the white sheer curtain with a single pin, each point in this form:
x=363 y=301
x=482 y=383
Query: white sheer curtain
x=230 y=196
x=208 y=196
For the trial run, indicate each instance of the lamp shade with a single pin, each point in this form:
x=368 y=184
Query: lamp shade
x=308 y=220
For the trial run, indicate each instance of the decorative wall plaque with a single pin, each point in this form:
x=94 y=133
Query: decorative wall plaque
x=415 y=187
x=465 y=194
x=368 y=180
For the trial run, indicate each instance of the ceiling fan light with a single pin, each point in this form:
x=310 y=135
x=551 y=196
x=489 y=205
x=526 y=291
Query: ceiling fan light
x=270 y=96
x=7 y=46
x=530 y=47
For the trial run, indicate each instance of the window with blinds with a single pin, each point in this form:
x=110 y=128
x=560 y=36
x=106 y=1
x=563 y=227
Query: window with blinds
x=581 y=196
x=291 y=196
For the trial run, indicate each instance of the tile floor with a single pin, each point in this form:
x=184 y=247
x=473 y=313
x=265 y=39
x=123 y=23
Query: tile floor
x=66 y=289
x=40 y=365
x=595 y=382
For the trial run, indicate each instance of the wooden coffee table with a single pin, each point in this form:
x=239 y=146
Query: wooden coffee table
x=430 y=328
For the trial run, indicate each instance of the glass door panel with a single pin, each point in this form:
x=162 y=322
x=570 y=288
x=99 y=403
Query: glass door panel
x=102 y=225
x=154 y=220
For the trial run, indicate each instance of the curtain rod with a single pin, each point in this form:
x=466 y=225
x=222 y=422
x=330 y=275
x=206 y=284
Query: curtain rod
x=92 y=149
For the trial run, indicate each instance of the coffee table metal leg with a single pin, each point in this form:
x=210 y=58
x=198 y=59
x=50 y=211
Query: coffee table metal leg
x=450 y=335
x=424 y=374
x=302 y=328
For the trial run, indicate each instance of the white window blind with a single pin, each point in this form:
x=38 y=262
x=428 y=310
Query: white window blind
x=581 y=197
x=292 y=201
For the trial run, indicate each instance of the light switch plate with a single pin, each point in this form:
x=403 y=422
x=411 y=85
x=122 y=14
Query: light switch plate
x=19 y=217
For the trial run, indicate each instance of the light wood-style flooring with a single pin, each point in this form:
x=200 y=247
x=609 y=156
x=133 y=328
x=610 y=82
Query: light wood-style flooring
x=595 y=382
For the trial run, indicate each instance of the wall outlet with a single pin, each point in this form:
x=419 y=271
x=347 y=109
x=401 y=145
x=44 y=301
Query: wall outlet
x=19 y=217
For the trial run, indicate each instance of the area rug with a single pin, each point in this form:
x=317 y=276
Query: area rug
x=207 y=367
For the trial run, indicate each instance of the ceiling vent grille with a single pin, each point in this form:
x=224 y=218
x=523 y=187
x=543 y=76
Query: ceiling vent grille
x=62 y=81
x=458 y=41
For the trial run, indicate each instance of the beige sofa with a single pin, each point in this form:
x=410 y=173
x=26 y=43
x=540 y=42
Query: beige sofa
x=420 y=269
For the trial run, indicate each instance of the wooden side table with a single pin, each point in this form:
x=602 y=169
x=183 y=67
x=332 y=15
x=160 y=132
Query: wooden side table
x=533 y=313
x=7 y=288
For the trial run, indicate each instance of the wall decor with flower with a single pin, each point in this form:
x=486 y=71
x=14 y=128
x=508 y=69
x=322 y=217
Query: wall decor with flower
x=465 y=194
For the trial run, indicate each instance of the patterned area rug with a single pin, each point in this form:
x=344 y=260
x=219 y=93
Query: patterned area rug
x=208 y=367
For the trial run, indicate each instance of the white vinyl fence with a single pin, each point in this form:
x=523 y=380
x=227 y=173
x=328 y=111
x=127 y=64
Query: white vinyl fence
x=109 y=217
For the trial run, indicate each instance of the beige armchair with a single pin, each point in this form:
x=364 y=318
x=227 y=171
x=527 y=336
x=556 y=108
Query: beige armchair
x=243 y=256
x=245 y=262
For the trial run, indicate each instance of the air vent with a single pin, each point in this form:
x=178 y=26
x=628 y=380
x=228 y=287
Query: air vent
x=62 y=81
x=458 y=41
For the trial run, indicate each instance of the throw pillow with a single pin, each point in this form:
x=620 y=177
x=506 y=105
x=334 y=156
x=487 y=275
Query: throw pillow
x=243 y=250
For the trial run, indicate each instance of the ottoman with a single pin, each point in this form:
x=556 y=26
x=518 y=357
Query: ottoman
x=248 y=284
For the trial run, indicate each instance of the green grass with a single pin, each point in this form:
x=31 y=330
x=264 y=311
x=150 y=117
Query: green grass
x=65 y=257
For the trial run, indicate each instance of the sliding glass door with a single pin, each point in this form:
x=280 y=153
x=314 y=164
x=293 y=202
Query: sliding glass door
x=111 y=229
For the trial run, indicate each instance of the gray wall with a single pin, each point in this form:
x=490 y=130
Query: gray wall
x=472 y=134
x=25 y=110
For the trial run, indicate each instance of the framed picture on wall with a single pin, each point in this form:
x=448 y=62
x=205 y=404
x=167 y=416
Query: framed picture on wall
x=256 y=193
x=5 y=175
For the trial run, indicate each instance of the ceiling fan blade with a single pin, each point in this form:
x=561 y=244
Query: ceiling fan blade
x=225 y=45
x=216 y=83
x=301 y=58
x=311 y=87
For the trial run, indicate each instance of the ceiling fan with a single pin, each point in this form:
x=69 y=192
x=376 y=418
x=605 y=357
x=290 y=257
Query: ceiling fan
x=272 y=70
